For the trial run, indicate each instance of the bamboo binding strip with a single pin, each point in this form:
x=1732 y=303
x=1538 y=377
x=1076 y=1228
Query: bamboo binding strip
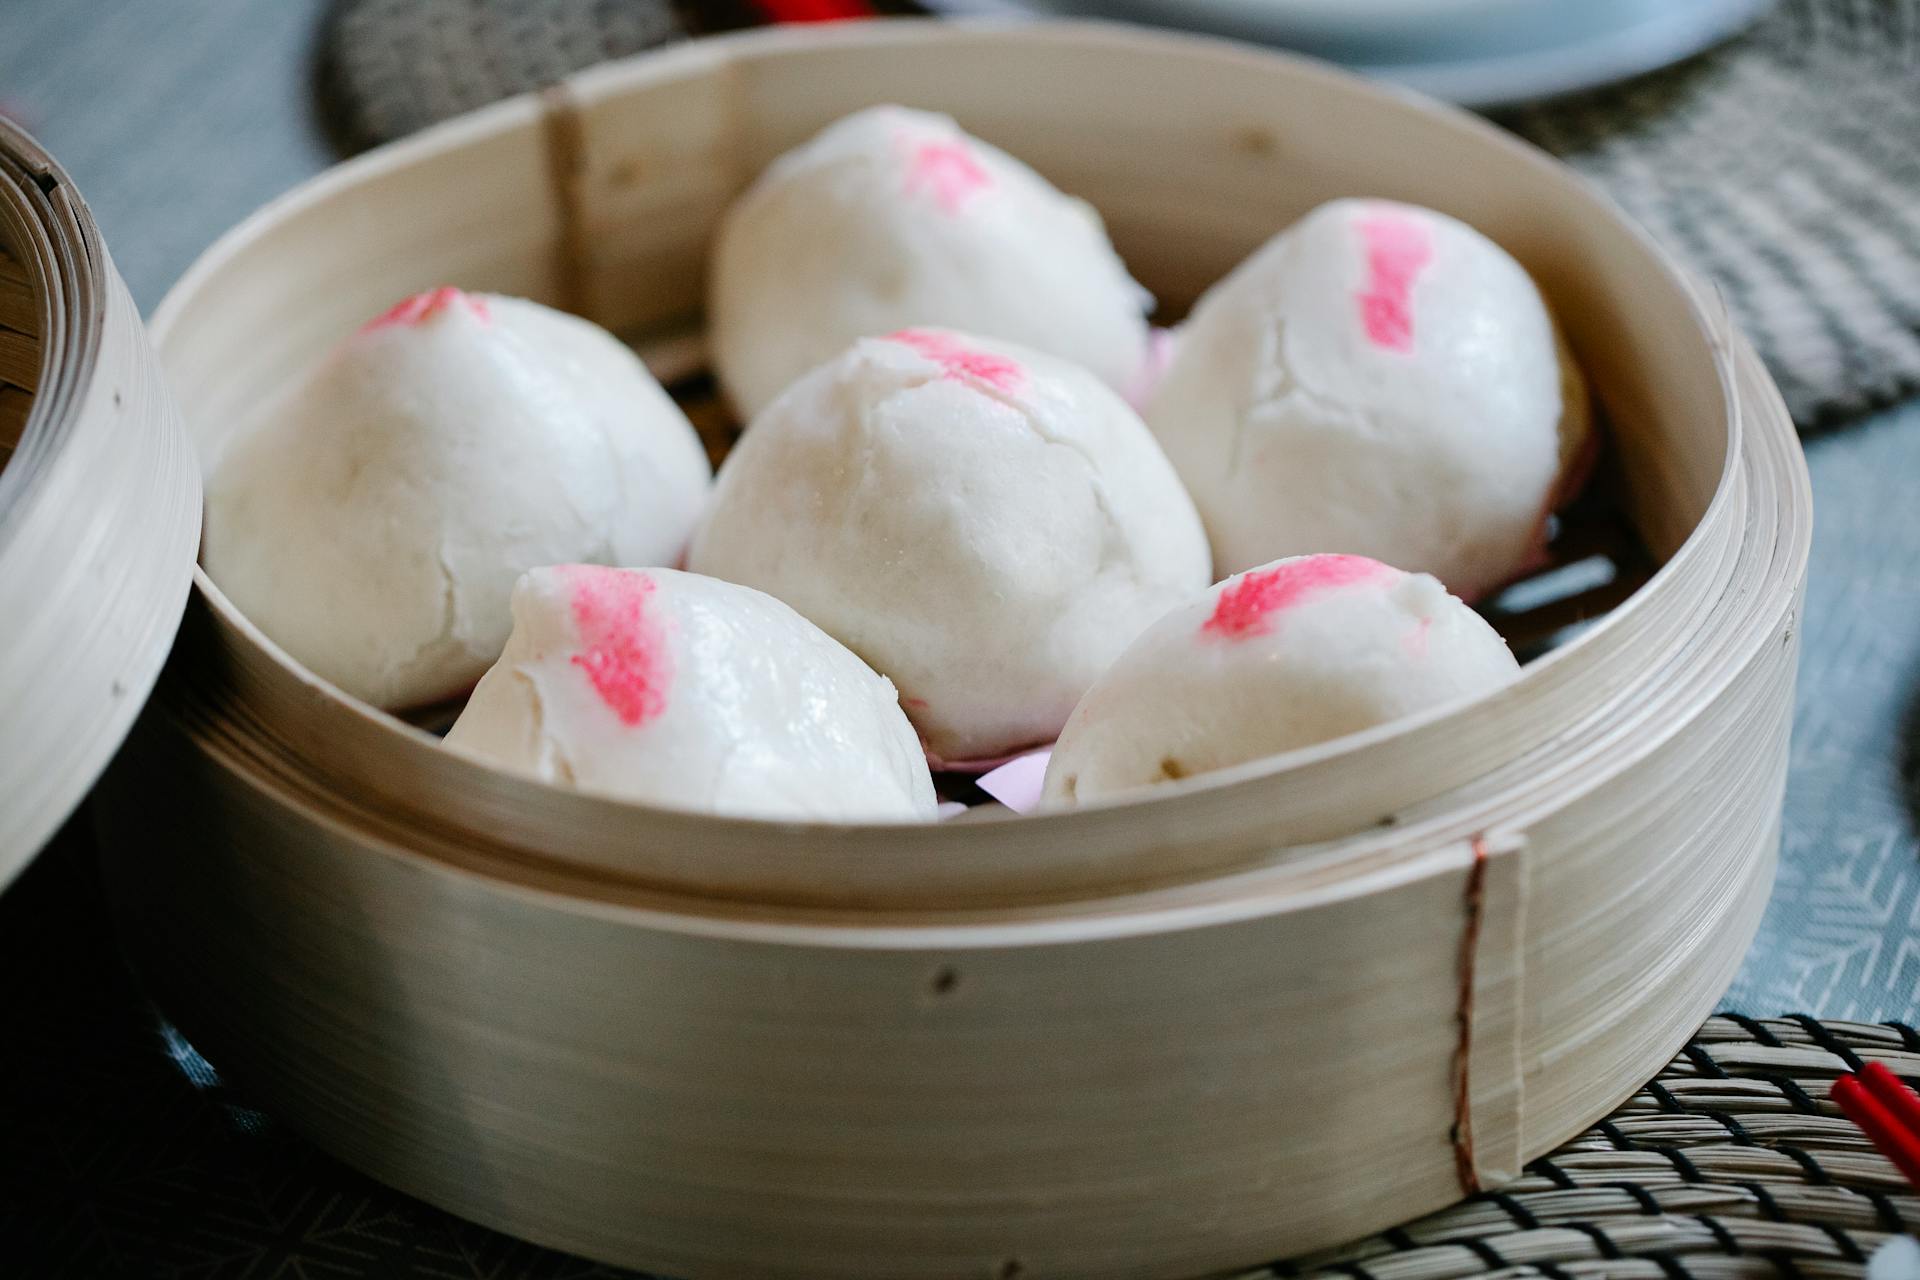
x=1259 y=1013
x=99 y=503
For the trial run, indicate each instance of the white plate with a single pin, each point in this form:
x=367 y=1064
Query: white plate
x=1481 y=53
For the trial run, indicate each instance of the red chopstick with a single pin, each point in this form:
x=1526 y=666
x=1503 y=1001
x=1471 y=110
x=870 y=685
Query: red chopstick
x=1887 y=1112
x=815 y=10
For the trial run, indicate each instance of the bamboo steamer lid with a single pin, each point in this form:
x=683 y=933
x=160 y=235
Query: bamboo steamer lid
x=99 y=503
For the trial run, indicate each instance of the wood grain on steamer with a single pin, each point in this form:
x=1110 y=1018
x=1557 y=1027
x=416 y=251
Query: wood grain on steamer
x=19 y=346
x=99 y=503
x=1148 y=1039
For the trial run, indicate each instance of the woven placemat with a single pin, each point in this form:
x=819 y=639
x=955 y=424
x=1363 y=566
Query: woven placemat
x=1784 y=165
x=390 y=67
x=1732 y=1162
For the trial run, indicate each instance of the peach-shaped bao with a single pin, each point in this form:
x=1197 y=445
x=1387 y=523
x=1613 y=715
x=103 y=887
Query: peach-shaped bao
x=1158 y=1037
x=1280 y=657
x=1379 y=379
x=692 y=693
x=892 y=218
x=373 y=521
x=988 y=526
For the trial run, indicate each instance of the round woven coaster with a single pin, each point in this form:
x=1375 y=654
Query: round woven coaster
x=1731 y=1163
x=390 y=67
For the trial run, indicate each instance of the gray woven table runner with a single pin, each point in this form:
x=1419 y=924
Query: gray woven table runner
x=389 y=67
x=1785 y=165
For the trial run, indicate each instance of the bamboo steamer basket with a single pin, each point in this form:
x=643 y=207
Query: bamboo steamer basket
x=1262 y=1011
x=99 y=504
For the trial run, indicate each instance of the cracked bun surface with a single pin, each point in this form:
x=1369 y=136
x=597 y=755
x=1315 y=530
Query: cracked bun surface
x=1380 y=380
x=986 y=525
x=374 y=522
x=688 y=692
x=892 y=217
x=1292 y=653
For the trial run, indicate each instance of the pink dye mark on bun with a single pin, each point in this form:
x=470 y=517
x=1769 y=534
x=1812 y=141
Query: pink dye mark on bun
x=1398 y=249
x=422 y=307
x=1248 y=605
x=960 y=362
x=622 y=649
x=1418 y=639
x=947 y=170
x=1154 y=363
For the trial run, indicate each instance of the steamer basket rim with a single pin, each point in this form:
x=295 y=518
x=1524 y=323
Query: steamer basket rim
x=28 y=209
x=99 y=508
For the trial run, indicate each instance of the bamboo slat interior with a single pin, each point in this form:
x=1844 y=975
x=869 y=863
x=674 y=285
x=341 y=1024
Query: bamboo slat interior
x=19 y=352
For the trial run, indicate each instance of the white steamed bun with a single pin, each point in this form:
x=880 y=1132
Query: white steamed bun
x=373 y=524
x=986 y=525
x=892 y=217
x=1381 y=380
x=1284 y=656
x=691 y=693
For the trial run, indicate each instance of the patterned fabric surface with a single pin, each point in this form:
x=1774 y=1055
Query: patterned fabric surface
x=1842 y=932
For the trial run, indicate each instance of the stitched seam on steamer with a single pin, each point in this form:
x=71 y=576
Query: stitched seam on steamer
x=566 y=149
x=1462 y=1132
